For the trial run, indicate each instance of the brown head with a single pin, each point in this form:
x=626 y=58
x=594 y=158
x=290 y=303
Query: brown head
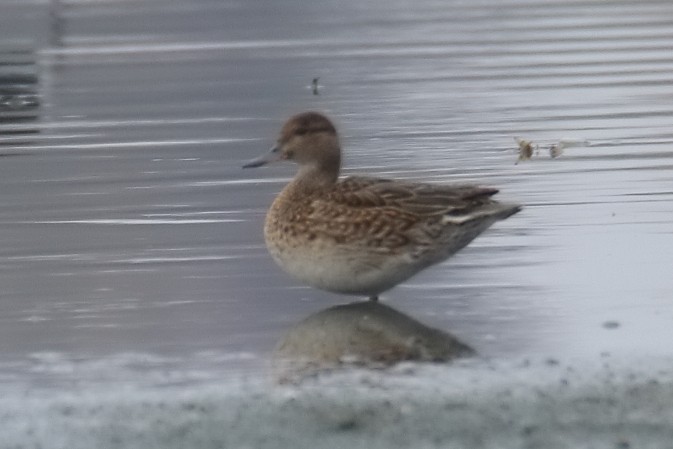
x=310 y=140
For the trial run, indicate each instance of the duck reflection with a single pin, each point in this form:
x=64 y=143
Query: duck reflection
x=360 y=334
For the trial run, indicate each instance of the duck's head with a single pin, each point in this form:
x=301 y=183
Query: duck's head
x=310 y=140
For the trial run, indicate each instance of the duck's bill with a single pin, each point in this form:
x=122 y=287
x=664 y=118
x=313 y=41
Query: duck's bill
x=272 y=156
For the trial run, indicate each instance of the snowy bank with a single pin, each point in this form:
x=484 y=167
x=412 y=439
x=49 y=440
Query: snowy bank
x=470 y=404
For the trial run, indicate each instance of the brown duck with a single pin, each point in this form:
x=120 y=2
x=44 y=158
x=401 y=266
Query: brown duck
x=362 y=235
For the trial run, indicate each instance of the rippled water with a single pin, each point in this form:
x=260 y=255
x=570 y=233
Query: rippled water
x=135 y=288
x=127 y=225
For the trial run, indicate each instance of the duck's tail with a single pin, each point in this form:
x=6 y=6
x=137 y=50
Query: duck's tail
x=490 y=212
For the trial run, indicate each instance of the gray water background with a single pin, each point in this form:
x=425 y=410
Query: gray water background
x=128 y=227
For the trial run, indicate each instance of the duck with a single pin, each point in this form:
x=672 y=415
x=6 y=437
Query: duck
x=363 y=235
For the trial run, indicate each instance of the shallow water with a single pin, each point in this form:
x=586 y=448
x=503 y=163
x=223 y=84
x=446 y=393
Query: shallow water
x=130 y=237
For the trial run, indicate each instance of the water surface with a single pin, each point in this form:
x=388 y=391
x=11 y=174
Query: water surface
x=128 y=227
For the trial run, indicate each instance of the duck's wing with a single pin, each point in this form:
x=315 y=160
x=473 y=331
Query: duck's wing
x=422 y=199
x=390 y=214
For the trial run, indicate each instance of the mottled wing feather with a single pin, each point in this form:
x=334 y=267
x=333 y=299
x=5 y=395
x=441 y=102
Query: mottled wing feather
x=387 y=214
x=415 y=198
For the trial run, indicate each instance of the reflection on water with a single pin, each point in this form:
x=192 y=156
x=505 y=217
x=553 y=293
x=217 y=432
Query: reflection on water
x=365 y=334
x=127 y=225
x=19 y=97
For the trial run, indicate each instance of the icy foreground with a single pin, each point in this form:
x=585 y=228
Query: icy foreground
x=475 y=404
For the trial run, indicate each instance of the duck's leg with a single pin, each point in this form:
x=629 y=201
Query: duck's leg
x=374 y=298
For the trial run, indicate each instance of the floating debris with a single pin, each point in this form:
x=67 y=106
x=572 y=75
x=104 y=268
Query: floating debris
x=526 y=149
x=556 y=149
x=315 y=86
